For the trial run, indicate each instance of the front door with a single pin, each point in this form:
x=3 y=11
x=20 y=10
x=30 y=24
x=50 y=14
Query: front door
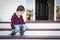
x=41 y=10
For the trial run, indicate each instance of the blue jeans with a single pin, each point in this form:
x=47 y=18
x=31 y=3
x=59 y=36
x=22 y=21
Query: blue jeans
x=19 y=27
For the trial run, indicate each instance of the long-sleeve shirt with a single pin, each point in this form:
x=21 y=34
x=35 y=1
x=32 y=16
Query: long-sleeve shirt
x=16 y=20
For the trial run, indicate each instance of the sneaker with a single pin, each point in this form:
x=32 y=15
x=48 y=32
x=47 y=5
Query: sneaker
x=11 y=35
x=22 y=35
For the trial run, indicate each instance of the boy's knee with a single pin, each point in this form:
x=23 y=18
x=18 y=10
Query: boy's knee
x=25 y=26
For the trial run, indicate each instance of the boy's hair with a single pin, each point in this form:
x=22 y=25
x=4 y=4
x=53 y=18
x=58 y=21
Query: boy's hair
x=20 y=8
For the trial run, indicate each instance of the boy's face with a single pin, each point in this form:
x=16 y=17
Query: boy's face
x=20 y=12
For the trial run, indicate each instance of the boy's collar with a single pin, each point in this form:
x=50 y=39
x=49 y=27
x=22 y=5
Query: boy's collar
x=16 y=15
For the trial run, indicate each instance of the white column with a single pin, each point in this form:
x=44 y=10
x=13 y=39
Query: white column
x=54 y=10
x=33 y=10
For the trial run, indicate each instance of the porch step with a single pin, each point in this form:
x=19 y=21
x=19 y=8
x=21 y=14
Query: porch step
x=35 y=25
x=32 y=33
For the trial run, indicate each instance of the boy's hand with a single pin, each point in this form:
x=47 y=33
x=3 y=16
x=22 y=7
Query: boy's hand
x=12 y=27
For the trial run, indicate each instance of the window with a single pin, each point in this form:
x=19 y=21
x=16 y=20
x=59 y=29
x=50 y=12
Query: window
x=57 y=10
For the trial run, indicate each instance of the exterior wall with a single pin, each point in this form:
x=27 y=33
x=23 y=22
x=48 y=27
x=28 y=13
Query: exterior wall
x=8 y=7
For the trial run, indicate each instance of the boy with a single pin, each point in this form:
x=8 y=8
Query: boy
x=17 y=22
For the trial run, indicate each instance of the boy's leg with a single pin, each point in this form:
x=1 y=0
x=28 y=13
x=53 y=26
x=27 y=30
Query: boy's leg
x=15 y=30
x=22 y=29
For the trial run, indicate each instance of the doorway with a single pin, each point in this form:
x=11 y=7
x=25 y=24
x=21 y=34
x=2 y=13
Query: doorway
x=41 y=10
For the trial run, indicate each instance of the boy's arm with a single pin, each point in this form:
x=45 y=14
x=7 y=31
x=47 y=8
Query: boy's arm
x=12 y=22
x=23 y=20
